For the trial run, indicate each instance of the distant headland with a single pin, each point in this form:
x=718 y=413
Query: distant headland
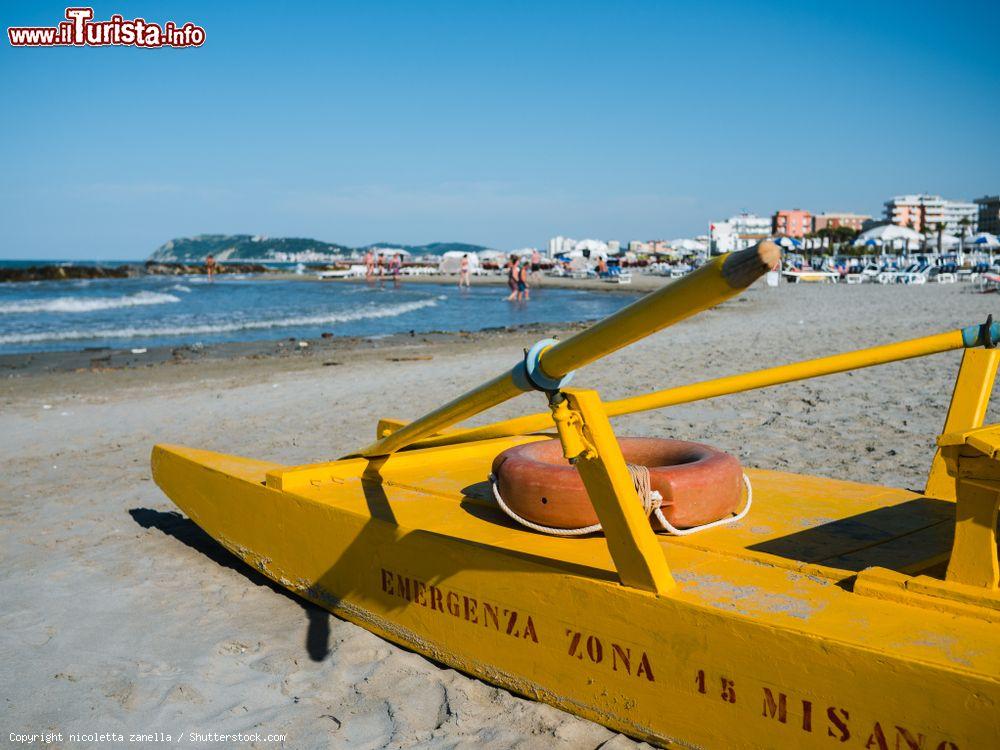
x=236 y=253
x=246 y=247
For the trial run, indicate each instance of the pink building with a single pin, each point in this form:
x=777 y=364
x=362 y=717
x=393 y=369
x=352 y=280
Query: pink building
x=794 y=223
x=832 y=221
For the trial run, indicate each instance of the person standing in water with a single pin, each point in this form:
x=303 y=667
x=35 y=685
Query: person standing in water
x=395 y=266
x=522 y=280
x=210 y=266
x=463 y=273
x=512 y=278
x=536 y=266
x=369 y=265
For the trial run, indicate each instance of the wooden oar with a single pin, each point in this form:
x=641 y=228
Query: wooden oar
x=971 y=336
x=716 y=281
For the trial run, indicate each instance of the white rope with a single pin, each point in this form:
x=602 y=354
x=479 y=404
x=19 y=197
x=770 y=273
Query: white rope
x=535 y=526
x=711 y=525
x=650 y=501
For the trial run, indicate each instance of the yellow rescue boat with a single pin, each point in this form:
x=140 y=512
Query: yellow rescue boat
x=835 y=614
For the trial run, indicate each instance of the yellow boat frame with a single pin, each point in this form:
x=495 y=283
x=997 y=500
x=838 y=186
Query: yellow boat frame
x=836 y=614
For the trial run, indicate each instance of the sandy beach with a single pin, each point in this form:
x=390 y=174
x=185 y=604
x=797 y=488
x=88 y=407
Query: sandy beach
x=120 y=615
x=640 y=282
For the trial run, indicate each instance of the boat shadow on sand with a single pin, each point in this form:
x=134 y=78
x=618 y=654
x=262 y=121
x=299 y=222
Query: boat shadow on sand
x=187 y=532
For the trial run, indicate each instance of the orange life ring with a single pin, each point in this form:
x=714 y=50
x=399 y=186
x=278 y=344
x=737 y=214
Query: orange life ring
x=699 y=484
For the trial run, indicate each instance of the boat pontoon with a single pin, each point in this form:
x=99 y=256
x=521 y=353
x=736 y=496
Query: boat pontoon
x=833 y=614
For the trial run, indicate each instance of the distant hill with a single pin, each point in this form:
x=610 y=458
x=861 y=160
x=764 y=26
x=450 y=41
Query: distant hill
x=243 y=247
x=240 y=247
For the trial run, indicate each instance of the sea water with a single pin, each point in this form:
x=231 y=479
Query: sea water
x=177 y=310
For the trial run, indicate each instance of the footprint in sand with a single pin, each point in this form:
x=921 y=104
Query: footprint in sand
x=184 y=693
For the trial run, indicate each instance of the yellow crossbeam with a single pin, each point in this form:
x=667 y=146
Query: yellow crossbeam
x=771 y=376
x=967 y=411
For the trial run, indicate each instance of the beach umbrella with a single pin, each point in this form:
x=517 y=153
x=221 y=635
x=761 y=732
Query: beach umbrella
x=688 y=246
x=591 y=248
x=983 y=240
x=451 y=261
x=892 y=235
x=947 y=240
x=789 y=243
x=889 y=233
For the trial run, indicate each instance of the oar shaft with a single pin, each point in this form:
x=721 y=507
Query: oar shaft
x=812 y=368
x=712 y=283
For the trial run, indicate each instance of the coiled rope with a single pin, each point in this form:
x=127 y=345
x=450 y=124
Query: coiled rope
x=651 y=500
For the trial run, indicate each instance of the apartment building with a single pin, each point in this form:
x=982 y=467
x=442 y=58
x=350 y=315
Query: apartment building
x=920 y=211
x=794 y=223
x=738 y=232
x=989 y=214
x=834 y=220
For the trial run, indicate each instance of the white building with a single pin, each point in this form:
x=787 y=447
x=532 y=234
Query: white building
x=738 y=232
x=920 y=211
x=560 y=245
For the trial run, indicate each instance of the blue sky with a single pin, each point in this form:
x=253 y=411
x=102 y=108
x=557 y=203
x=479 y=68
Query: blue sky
x=498 y=123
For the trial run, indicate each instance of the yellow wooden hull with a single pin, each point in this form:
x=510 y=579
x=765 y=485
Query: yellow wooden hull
x=763 y=643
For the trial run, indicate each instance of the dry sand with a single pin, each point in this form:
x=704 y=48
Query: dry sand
x=120 y=615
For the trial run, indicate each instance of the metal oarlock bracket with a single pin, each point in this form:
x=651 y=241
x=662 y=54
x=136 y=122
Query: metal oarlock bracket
x=986 y=333
x=569 y=425
x=528 y=375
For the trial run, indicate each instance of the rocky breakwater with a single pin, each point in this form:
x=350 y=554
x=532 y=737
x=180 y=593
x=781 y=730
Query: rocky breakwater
x=186 y=269
x=54 y=272
x=65 y=273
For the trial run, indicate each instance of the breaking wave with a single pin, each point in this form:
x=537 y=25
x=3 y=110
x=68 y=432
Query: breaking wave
x=86 y=304
x=208 y=329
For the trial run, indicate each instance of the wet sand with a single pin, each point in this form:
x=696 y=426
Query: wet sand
x=121 y=615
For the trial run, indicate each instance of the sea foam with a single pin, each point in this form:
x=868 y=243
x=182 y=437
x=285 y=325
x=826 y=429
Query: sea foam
x=85 y=304
x=390 y=311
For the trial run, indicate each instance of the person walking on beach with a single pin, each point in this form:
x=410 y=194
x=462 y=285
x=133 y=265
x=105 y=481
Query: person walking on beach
x=512 y=278
x=369 y=265
x=210 y=266
x=463 y=273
